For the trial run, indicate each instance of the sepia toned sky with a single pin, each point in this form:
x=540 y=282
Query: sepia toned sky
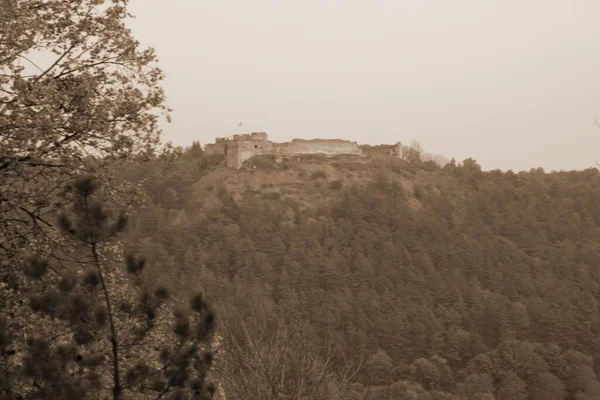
x=513 y=84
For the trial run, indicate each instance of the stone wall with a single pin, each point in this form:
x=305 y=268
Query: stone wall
x=251 y=136
x=394 y=150
x=239 y=151
x=318 y=146
x=239 y=148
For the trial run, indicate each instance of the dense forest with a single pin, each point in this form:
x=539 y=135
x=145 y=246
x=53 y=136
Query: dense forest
x=407 y=279
x=130 y=269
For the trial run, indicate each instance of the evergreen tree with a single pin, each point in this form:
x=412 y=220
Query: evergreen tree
x=106 y=329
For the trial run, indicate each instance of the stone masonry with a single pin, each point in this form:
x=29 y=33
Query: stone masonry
x=239 y=148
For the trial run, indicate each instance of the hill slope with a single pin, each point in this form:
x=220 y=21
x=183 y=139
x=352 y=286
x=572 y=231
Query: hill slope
x=447 y=282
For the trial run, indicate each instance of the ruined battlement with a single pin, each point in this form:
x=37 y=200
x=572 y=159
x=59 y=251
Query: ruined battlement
x=241 y=147
x=243 y=136
x=251 y=136
x=394 y=150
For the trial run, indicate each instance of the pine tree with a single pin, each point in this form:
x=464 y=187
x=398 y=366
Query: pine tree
x=113 y=332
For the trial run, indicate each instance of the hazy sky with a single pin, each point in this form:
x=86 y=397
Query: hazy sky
x=513 y=84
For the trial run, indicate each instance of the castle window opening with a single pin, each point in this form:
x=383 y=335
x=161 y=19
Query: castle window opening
x=256 y=146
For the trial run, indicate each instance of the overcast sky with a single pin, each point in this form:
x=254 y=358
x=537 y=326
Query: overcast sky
x=514 y=84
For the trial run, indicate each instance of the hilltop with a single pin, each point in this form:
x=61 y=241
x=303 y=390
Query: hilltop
x=306 y=180
x=448 y=282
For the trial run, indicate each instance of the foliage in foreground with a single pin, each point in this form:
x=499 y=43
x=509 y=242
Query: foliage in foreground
x=74 y=83
x=103 y=330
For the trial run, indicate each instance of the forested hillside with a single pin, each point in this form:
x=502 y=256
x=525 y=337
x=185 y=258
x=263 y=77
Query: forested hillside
x=381 y=278
x=130 y=269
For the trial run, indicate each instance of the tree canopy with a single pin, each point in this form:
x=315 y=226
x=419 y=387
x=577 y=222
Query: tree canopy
x=74 y=84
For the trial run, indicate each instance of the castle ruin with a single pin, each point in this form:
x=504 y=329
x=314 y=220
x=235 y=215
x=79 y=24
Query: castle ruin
x=239 y=148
